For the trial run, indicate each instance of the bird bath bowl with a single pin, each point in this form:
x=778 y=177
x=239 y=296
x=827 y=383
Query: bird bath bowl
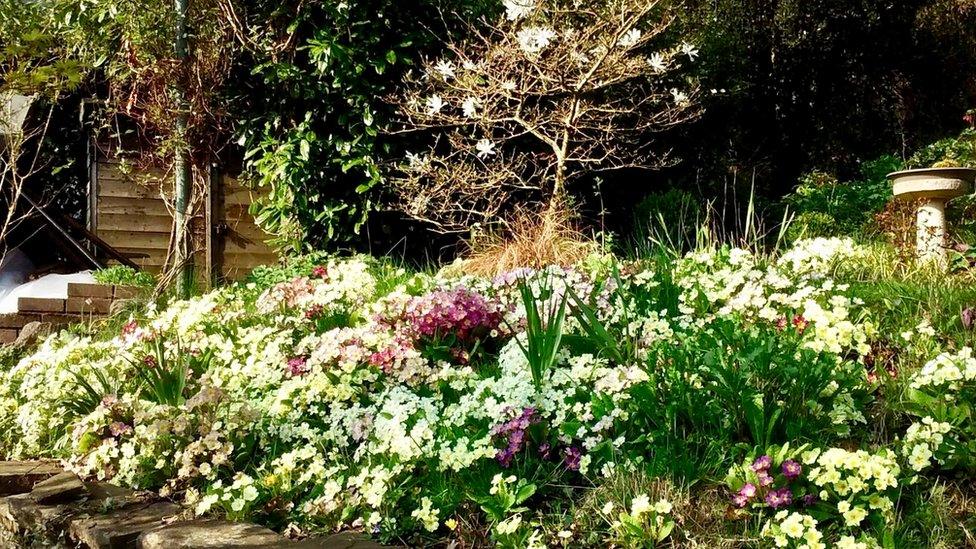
x=933 y=187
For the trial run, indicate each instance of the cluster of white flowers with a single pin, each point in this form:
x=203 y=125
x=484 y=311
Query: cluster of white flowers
x=922 y=441
x=338 y=287
x=945 y=386
x=858 y=481
x=723 y=282
x=341 y=405
x=792 y=529
x=947 y=372
x=817 y=256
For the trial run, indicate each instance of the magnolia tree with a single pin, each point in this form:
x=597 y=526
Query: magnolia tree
x=553 y=90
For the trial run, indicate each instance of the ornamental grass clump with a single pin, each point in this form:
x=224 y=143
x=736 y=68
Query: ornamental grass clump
x=529 y=239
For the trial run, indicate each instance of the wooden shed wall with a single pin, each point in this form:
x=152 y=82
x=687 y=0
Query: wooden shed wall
x=129 y=212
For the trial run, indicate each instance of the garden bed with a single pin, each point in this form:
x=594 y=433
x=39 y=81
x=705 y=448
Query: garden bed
x=722 y=398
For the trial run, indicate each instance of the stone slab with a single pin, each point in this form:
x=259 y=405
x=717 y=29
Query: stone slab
x=18 y=477
x=88 y=305
x=59 y=319
x=85 y=289
x=17 y=320
x=342 y=540
x=21 y=516
x=34 y=524
x=210 y=534
x=60 y=488
x=128 y=292
x=8 y=335
x=120 y=529
x=40 y=304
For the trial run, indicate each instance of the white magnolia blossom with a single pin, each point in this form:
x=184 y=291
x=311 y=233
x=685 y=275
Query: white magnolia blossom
x=445 y=69
x=519 y=9
x=485 y=148
x=630 y=38
x=680 y=97
x=470 y=107
x=658 y=62
x=533 y=40
x=434 y=104
x=417 y=162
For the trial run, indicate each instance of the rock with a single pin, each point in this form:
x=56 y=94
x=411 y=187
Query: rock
x=60 y=488
x=342 y=540
x=210 y=534
x=18 y=477
x=121 y=528
x=31 y=333
x=23 y=517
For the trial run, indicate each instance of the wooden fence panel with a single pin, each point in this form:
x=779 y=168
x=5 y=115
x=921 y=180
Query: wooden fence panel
x=131 y=215
x=239 y=243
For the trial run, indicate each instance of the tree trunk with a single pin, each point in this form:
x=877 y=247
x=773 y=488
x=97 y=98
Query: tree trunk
x=182 y=170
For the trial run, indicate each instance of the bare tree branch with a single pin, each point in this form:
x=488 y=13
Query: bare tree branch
x=541 y=97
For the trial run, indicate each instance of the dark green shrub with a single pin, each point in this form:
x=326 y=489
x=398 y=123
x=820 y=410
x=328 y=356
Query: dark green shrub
x=825 y=206
x=671 y=217
x=124 y=276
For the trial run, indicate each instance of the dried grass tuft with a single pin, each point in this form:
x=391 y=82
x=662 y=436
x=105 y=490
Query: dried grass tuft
x=532 y=239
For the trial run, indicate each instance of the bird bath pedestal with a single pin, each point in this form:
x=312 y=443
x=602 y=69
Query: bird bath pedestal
x=933 y=187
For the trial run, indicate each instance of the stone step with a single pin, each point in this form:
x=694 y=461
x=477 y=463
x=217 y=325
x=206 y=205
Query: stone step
x=88 y=305
x=60 y=488
x=87 y=289
x=342 y=540
x=219 y=534
x=23 y=518
x=210 y=534
x=45 y=506
x=17 y=320
x=120 y=529
x=18 y=477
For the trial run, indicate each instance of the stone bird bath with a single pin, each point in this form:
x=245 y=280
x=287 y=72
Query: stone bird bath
x=933 y=187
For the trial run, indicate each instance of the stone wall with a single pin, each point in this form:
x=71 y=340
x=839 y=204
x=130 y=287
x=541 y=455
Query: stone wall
x=84 y=302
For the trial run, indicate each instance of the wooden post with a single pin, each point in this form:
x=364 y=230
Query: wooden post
x=208 y=226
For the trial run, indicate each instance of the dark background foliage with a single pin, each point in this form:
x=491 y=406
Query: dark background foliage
x=313 y=101
x=820 y=85
x=789 y=87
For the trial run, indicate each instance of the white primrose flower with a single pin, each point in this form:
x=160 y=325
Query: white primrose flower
x=640 y=505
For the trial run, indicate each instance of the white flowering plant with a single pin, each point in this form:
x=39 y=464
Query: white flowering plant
x=349 y=395
x=552 y=90
x=645 y=524
x=941 y=398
